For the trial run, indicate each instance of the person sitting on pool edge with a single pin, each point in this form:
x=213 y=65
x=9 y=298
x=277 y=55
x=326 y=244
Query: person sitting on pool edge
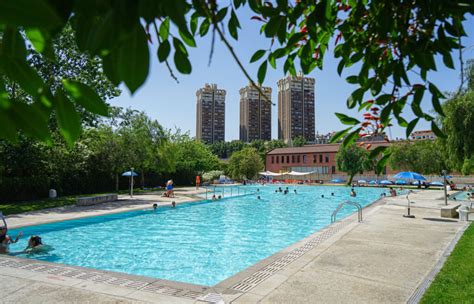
x=353 y=193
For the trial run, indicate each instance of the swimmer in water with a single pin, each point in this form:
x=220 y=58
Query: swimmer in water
x=35 y=245
x=258 y=197
x=353 y=194
x=295 y=191
x=322 y=195
x=155 y=206
x=173 y=204
x=332 y=193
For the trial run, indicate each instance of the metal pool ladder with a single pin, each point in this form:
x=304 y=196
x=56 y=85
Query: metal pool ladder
x=339 y=207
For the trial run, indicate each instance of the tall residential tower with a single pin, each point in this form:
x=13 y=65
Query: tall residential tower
x=255 y=114
x=296 y=108
x=210 y=114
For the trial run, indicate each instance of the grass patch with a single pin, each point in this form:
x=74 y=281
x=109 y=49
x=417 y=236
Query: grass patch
x=20 y=207
x=9 y=208
x=455 y=282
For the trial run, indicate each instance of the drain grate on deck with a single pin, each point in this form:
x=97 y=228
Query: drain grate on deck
x=212 y=298
x=256 y=278
x=98 y=277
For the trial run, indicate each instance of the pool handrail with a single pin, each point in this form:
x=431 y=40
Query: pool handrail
x=339 y=207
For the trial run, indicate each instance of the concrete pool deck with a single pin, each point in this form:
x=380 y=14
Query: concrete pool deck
x=386 y=258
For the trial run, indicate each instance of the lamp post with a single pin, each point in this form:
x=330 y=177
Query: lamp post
x=408 y=199
x=131 y=182
x=445 y=187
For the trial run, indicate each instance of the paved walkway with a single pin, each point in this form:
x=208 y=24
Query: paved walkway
x=381 y=260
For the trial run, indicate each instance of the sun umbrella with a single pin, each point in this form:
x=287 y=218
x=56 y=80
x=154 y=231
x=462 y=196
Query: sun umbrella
x=440 y=184
x=373 y=182
x=400 y=182
x=409 y=175
x=130 y=173
x=337 y=181
x=386 y=182
x=362 y=181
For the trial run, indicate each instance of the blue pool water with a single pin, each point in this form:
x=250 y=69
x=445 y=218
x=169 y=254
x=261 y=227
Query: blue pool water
x=200 y=243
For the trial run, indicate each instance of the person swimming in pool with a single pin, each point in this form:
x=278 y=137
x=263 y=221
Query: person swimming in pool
x=6 y=240
x=353 y=193
x=35 y=245
x=155 y=206
x=173 y=204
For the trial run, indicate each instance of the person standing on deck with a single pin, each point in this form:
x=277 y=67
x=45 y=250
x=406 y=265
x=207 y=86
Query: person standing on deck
x=198 y=182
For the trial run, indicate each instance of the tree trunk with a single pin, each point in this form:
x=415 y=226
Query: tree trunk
x=116 y=182
x=143 y=180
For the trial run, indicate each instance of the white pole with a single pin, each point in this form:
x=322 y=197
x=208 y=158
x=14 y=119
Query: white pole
x=445 y=188
x=131 y=183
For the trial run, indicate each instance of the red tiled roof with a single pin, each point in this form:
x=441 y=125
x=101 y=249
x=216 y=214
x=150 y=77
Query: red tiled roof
x=323 y=148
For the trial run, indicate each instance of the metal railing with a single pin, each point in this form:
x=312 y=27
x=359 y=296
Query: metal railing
x=339 y=207
x=228 y=191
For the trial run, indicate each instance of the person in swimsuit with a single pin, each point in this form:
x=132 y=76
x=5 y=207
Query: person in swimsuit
x=6 y=240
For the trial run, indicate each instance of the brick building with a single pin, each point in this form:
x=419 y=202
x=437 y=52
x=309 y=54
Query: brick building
x=255 y=114
x=296 y=116
x=423 y=134
x=210 y=114
x=320 y=159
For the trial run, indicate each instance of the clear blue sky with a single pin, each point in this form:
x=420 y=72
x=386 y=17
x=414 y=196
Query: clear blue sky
x=174 y=104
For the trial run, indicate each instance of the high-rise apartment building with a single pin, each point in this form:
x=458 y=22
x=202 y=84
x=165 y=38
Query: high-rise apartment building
x=296 y=108
x=255 y=114
x=210 y=114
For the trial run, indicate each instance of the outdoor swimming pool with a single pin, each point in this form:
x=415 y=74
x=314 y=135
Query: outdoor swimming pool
x=200 y=243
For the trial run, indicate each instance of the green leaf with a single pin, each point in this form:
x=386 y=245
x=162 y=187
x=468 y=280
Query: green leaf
x=37 y=39
x=437 y=105
x=271 y=60
x=12 y=44
x=23 y=74
x=26 y=13
x=355 y=98
x=31 y=119
x=182 y=62
x=67 y=117
x=257 y=55
x=376 y=152
x=164 y=50
x=338 y=135
x=194 y=23
x=221 y=14
x=352 y=79
x=385 y=114
x=7 y=127
x=411 y=126
x=165 y=29
x=436 y=130
x=109 y=63
x=340 y=66
x=351 y=138
x=262 y=71
x=347 y=120
x=86 y=97
x=233 y=25
x=134 y=59
x=448 y=61
x=187 y=38
x=382 y=163
x=178 y=45
x=204 y=28
x=383 y=99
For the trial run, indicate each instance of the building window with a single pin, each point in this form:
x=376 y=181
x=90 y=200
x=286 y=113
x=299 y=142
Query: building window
x=273 y=159
x=327 y=158
x=292 y=158
x=298 y=158
x=287 y=159
x=283 y=159
x=304 y=159
x=333 y=169
x=277 y=159
x=315 y=158
x=320 y=158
